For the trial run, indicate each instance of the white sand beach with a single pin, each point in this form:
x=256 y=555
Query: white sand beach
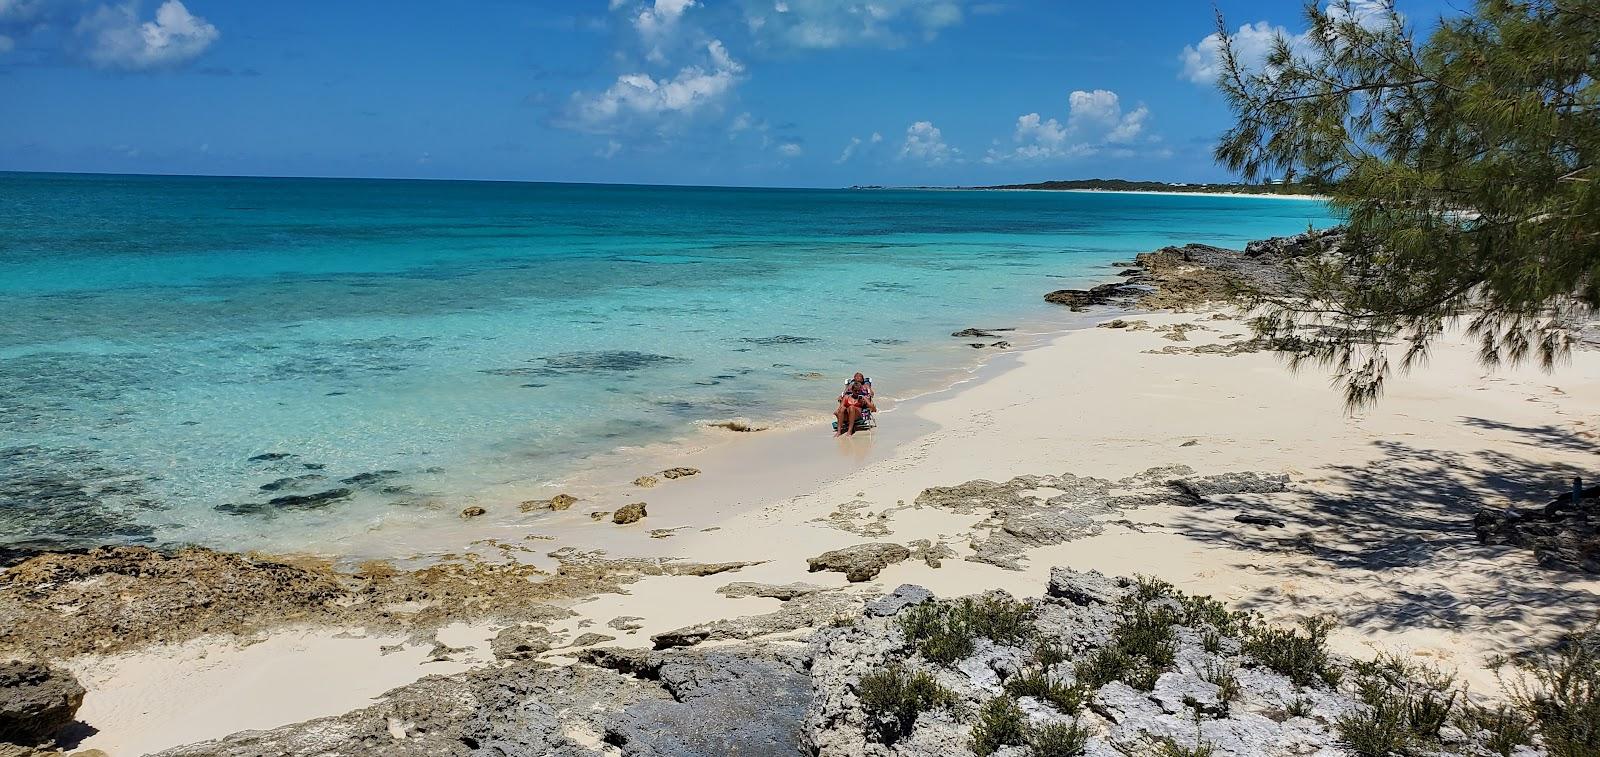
x=1377 y=517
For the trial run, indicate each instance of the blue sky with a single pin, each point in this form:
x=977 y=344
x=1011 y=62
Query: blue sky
x=745 y=92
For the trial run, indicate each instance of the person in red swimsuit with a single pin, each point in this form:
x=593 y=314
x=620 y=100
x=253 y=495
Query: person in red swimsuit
x=856 y=398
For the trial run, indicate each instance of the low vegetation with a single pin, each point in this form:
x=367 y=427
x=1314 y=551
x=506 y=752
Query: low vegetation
x=1303 y=658
x=1039 y=684
x=1000 y=723
x=945 y=632
x=894 y=697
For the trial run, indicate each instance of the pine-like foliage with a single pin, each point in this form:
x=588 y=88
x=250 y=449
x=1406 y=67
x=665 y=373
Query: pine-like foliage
x=1466 y=163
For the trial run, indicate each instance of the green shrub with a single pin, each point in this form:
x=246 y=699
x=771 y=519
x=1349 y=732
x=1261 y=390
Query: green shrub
x=1211 y=641
x=1107 y=664
x=944 y=632
x=1149 y=589
x=1561 y=693
x=893 y=698
x=1039 y=684
x=1048 y=654
x=1377 y=730
x=1299 y=708
x=1501 y=729
x=1059 y=740
x=1221 y=676
x=1142 y=647
x=1302 y=658
x=1406 y=705
x=1205 y=611
x=1000 y=723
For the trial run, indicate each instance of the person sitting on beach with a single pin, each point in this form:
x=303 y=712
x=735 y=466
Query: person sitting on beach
x=856 y=398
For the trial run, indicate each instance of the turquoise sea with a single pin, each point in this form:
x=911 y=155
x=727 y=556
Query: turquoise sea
x=177 y=353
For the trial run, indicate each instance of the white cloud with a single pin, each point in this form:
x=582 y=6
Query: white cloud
x=642 y=96
x=790 y=149
x=820 y=24
x=876 y=137
x=849 y=150
x=925 y=144
x=658 y=23
x=610 y=150
x=1095 y=121
x=1202 y=61
x=116 y=38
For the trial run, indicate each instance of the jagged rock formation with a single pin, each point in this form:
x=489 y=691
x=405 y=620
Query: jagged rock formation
x=36 y=702
x=1565 y=534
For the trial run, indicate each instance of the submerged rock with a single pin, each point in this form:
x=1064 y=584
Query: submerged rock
x=556 y=503
x=36 y=702
x=473 y=512
x=862 y=562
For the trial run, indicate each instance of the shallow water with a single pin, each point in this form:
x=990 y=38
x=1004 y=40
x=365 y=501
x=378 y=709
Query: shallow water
x=177 y=352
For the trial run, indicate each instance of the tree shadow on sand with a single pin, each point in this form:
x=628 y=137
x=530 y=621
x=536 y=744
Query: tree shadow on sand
x=1408 y=512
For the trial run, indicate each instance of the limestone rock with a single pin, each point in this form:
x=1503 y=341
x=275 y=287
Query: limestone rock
x=861 y=562
x=628 y=513
x=645 y=482
x=1084 y=589
x=783 y=592
x=522 y=641
x=905 y=595
x=473 y=512
x=674 y=473
x=36 y=702
x=1103 y=294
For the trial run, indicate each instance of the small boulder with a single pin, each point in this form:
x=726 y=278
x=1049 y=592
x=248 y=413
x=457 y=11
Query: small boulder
x=518 y=642
x=904 y=596
x=861 y=562
x=473 y=512
x=645 y=482
x=781 y=592
x=36 y=702
x=628 y=513
x=591 y=639
x=1084 y=589
x=671 y=473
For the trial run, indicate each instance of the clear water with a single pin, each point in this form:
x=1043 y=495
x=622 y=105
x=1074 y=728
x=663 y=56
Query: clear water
x=445 y=338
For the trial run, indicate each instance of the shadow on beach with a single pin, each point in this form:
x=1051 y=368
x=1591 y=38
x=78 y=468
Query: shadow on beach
x=1404 y=520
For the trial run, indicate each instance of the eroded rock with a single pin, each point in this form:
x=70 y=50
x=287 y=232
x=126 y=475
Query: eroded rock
x=36 y=702
x=861 y=562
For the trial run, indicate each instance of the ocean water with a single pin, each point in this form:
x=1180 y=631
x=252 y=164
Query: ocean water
x=176 y=353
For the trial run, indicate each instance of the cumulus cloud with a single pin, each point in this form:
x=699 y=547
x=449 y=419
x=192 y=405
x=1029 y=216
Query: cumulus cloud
x=657 y=24
x=1202 y=61
x=642 y=96
x=821 y=24
x=1095 y=121
x=790 y=149
x=925 y=144
x=114 y=37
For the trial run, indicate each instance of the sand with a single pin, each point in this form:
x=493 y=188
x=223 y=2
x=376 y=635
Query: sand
x=1377 y=520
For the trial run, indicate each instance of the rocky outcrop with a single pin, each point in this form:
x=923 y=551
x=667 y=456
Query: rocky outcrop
x=743 y=700
x=1565 y=534
x=628 y=513
x=1202 y=691
x=1194 y=275
x=1018 y=520
x=1103 y=294
x=523 y=641
x=801 y=613
x=141 y=596
x=37 y=702
x=861 y=562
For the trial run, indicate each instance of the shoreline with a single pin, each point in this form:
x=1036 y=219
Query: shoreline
x=990 y=482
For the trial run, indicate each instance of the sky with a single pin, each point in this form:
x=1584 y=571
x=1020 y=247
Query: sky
x=727 y=92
